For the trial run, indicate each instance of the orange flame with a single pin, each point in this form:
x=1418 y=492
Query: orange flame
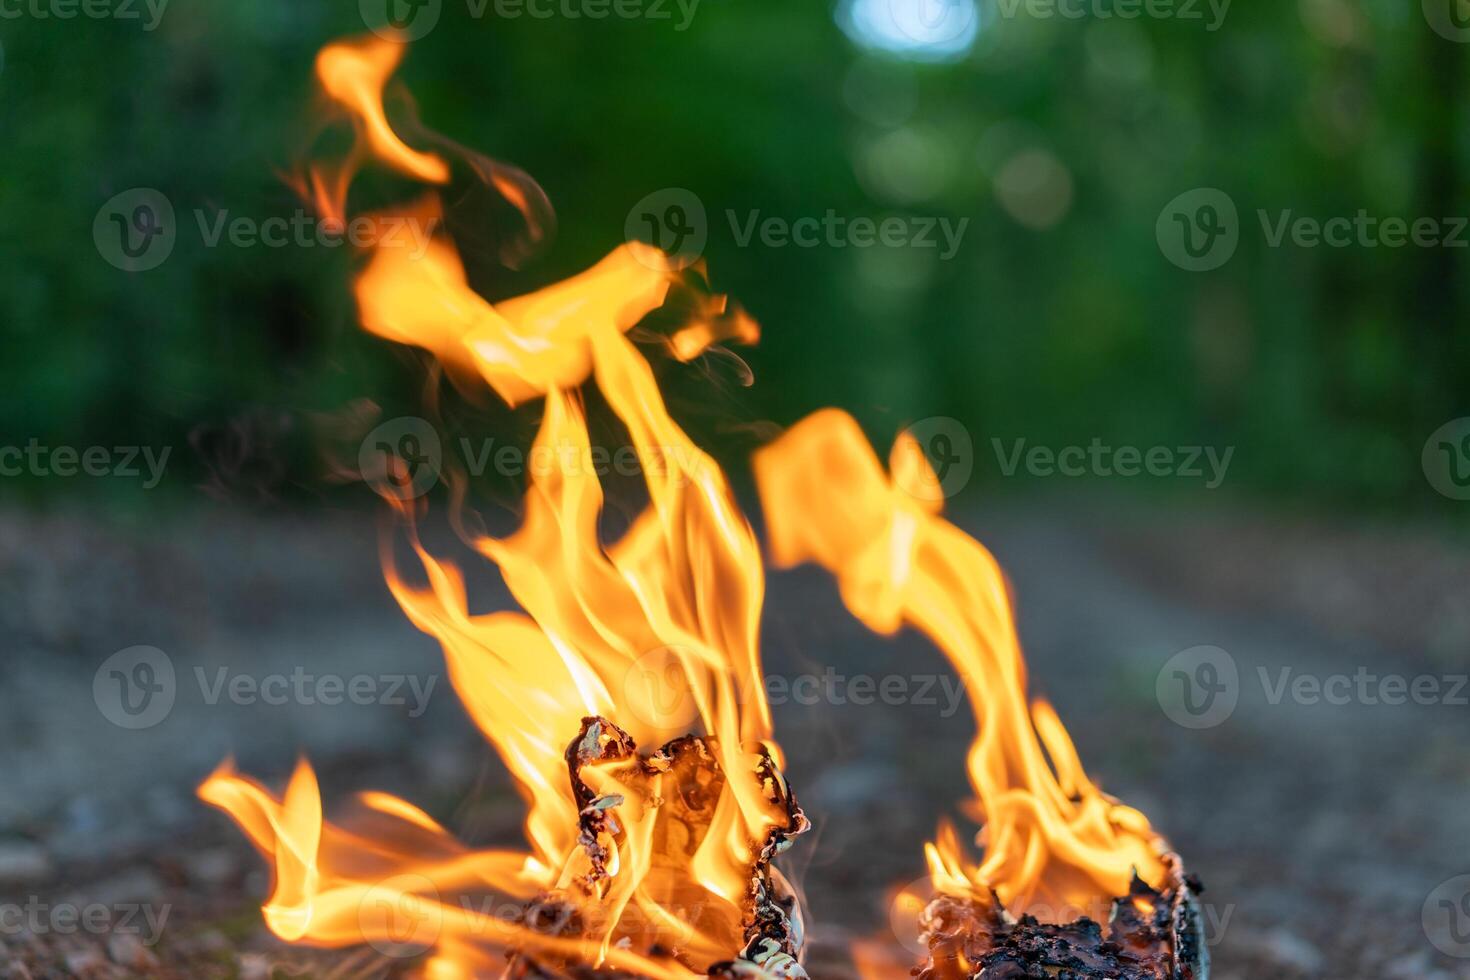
x=656 y=630
x=1052 y=839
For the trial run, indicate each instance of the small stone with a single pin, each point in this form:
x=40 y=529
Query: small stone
x=212 y=867
x=254 y=966
x=210 y=941
x=1416 y=967
x=85 y=962
x=1290 y=950
x=137 y=885
x=128 y=950
x=22 y=863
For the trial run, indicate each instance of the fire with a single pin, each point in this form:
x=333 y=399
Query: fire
x=626 y=697
x=1053 y=841
x=654 y=857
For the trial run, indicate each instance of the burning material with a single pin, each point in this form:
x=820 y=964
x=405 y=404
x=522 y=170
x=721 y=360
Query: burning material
x=684 y=783
x=660 y=864
x=1051 y=838
x=1151 y=935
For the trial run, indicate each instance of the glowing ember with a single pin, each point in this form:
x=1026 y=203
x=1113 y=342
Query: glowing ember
x=652 y=862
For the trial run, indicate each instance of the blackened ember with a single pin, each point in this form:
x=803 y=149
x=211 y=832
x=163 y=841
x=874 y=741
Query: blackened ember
x=769 y=940
x=1151 y=935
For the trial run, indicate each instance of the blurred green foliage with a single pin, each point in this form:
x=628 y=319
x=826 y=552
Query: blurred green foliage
x=1326 y=368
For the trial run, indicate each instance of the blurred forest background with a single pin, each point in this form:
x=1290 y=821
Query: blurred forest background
x=1058 y=320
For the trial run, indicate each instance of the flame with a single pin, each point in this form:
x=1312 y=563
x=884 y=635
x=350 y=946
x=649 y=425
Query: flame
x=645 y=864
x=1052 y=840
x=657 y=630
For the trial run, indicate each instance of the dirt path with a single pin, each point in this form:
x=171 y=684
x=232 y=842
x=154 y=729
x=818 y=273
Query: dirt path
x=1322 y=830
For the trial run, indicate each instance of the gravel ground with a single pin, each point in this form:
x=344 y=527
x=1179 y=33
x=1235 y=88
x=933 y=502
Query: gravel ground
x=1323 y=832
